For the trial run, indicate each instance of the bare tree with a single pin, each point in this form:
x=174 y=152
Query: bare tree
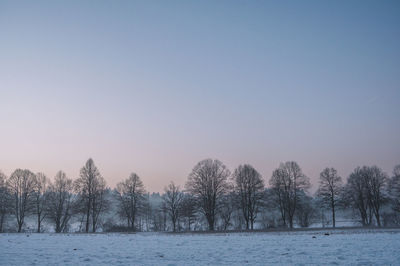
x=146 y=212
x=330 y=190
x=376 y=182
x=277 y=192
x=208 y=182
x=5 y=202
x=40 y=198
x=305 y=211
x=249 y=186
x=60 y=201
x=272 y=215
x=90 y=188
x=394 y=188
x=100 y=202
x=366 y=192
x=130 y=194
x=287 y=181
x=173 y=199
x=356 y=196
x=188 y=209
x=227 y=207
x=21 y=185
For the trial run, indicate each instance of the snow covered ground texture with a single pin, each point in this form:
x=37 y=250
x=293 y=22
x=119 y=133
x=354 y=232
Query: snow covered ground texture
x=340 y=247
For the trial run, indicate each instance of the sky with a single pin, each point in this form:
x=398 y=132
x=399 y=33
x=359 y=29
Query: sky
x=153 y=87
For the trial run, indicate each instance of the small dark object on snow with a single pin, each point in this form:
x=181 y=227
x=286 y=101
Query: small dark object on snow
x=327 y=234
x=314 y=237
x=74 y=248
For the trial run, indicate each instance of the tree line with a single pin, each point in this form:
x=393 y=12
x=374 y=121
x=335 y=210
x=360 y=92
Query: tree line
x=213 y=198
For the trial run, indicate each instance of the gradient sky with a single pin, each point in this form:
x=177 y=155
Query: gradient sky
x=153 y=87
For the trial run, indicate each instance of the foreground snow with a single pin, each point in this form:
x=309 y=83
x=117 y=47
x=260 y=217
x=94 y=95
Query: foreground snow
x=357 y=247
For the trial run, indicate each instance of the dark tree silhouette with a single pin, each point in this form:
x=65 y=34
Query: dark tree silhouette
x=227 y=207
x=208 y=182
x=173 y=200
x=286 y=182
x=330 y=189
x=188 y=209
x=394 y=188
x=5 y=200
x=21 y=185
x=100 y=203
x=365 y=191
x=249 y=187
x=356 y=196
x=305 y=211
x=60 y=202
x=376 y=182
x=130 y=195
x=90 y=188
x=40 y=198
x=277 y=192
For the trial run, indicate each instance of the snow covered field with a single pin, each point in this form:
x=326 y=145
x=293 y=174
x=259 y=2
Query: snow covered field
x=355 y=247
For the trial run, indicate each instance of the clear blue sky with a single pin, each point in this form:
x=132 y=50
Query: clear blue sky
x=153 y=87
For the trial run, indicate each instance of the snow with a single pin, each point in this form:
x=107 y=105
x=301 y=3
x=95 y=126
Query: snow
x=355 y=247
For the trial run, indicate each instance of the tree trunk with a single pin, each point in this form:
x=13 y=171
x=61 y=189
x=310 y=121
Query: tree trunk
x=131 y=225
x=333 y=215
x=378 y=219
x=93 y=220
x=38 y=222
x=174 y=225
x=19 y=227
x=1 y=222
x=87 y=217
x=370 y=217
x=210 y=223
x=94 y=216
x=283 y=217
